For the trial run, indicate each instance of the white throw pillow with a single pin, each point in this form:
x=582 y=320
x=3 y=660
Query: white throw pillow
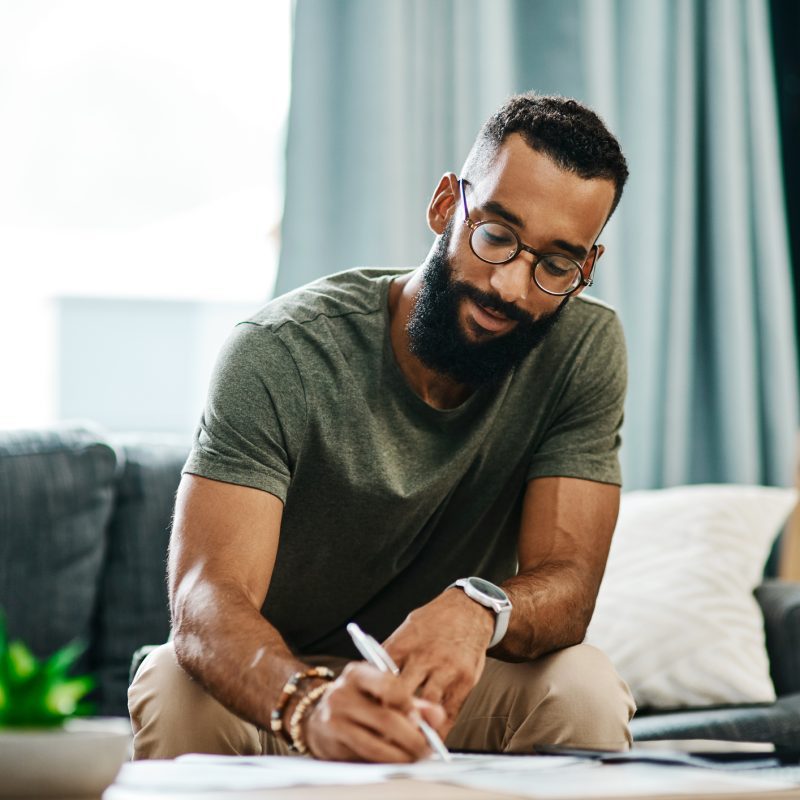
x=676 y=612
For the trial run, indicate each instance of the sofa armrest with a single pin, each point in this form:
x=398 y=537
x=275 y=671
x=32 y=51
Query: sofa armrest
x=780 y=603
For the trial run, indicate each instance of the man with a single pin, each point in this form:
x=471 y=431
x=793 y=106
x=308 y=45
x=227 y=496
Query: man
x=376 y=437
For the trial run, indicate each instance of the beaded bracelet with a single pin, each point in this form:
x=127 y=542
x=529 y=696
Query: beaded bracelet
x=295 y=731
x=289 y=688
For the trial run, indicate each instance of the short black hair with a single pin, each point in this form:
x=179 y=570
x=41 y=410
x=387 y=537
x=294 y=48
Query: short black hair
x=566 y=131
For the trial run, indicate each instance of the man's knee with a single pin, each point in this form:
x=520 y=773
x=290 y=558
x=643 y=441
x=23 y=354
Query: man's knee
x=584 y=675
x=172 y=714
x=587 y=701
x=573 y=697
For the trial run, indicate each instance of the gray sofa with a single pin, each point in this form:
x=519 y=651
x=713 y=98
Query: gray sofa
x=84 y=527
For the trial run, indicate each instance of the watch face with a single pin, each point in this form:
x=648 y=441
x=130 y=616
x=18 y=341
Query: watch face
x=488 y=589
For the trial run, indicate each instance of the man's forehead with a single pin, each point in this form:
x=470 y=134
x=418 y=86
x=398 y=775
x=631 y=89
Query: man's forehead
x=528 y=183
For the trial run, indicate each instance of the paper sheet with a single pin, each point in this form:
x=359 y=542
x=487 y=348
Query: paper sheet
x=594 y=780
x=197 y=772
x=553 y=777
x=342 y=772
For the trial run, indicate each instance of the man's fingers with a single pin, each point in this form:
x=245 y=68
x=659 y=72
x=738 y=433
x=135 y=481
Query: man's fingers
x=414 y=675
x=382 y=686
x=370 y=747
x=379 y=706
x=391 y=726
x=347 y=741
x=433 y=690
x=388 y=714
x=433 y=713
x=447 y=690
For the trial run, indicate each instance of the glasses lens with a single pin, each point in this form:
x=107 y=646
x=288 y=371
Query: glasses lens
x=494 y=242
x=557 y=274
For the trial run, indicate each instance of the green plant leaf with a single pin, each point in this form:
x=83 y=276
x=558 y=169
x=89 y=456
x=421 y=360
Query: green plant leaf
x=36 y=693
x=59 y=663
x=62 y=698
x=3 y=653
x=22 y=664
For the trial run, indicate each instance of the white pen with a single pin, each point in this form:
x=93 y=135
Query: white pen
x=378 y=657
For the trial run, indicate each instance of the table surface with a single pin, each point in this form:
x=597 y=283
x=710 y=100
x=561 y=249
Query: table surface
x=397 y=789
x=402 y=789
x=391 y=790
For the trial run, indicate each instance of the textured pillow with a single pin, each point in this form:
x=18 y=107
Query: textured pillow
x=676 y=612
x=56 y=494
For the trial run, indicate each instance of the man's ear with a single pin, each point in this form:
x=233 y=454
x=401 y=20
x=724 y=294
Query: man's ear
x=443 y=203
x=589 y=266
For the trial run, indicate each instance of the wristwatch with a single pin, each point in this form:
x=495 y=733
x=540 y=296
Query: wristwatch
x=491 y=596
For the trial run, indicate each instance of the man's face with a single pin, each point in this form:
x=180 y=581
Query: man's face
x=437 y=335
x=475 y=321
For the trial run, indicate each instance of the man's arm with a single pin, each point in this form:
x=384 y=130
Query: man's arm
x=222 y=553
x=565 y=534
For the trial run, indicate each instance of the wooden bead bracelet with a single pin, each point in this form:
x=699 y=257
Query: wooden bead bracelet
x=296 y=722
x=289 y=688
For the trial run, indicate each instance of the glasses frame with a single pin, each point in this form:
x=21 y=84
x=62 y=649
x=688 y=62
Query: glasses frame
x=537 y=255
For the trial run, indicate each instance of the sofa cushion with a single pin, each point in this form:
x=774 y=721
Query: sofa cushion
x=676 y=612
x=132 y=607
x=56 y=495
x=780 y=602
x=778 y=723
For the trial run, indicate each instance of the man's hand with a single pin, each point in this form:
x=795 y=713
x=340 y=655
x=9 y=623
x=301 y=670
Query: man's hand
x=368 y=715
x=441 y=650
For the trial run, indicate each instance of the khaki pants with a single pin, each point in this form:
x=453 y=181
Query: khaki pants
x=572 y=696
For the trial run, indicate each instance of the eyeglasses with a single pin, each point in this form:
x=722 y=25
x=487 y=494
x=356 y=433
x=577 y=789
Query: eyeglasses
x=497 y=243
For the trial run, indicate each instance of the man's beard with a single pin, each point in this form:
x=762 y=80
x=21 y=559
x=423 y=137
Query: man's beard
x=438 y=341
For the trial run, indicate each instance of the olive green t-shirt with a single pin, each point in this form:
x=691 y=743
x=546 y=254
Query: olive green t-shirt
x=387 y=500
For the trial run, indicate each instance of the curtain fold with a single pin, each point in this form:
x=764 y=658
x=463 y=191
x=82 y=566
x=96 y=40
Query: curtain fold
x=385 y=96
x=388 y=96
x=699 y=264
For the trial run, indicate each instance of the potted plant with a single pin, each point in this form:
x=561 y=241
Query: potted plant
x=47 y=745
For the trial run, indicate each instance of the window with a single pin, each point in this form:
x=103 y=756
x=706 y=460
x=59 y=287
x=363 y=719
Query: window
x=141 y=149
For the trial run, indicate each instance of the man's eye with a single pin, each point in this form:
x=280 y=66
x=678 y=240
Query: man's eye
x=558 y=268
x=496 y=236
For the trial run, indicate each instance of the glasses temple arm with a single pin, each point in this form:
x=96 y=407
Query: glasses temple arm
x=590 y=280
x=461 y=183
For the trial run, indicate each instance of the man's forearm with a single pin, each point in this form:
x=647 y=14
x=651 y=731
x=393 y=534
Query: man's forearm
x=552 y=606
x=232 y=651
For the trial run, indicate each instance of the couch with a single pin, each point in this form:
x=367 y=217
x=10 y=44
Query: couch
x=84 y=530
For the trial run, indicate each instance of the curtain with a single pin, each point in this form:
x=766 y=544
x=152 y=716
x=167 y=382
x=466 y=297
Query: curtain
x=384 y=95
x=388 y=96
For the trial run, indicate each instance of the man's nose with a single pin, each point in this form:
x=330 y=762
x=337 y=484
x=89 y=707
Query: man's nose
x=512 y=281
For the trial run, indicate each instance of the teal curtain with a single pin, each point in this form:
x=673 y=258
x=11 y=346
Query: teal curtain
x=387 y=96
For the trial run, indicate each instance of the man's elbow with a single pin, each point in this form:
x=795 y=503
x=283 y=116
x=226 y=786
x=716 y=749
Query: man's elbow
x=582 y=619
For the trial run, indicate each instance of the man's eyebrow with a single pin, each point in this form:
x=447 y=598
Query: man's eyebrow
x=493 y=207
x=573 y=249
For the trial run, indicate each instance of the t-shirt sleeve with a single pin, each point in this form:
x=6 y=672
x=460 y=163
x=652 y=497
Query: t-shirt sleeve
x=254 y=416
x=584 y=439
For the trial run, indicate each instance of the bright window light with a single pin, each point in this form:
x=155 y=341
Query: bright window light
x=141 y=154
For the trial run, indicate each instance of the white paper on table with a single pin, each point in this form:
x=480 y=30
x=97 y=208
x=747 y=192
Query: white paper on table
x=201 y=775
x=594 y=780
x=344 y=772
x=545 y=777
x=467 y=764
